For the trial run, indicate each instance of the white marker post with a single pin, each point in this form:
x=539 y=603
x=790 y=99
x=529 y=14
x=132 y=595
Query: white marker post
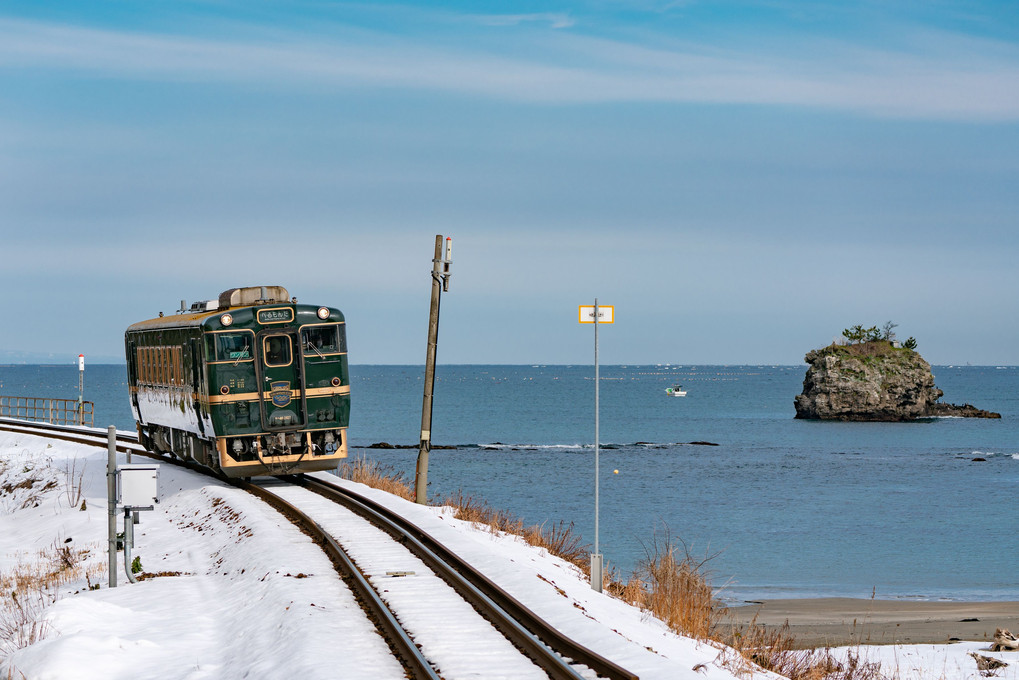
x=81 y=389
x=596 y=315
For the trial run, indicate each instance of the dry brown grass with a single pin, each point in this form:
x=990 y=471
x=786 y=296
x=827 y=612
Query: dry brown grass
x=558 y=539
x=672 y=585
x=54 y=567
x=377 y=475
x=29 y=587
x=774 y=654
x=74 y=482
x=561 y=540
x=21 y=623
x=752 y=646
x=471 y=509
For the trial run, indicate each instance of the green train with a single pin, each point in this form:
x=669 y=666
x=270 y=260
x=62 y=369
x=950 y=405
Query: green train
x=249 y=384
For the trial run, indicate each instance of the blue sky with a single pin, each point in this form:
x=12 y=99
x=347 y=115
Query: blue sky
x=741 y=180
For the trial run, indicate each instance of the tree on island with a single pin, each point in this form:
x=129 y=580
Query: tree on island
x=858 y=334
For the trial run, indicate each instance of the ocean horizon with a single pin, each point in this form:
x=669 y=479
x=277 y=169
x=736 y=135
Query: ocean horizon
x=783 y=507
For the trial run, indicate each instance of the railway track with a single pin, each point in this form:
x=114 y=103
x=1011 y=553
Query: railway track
x=557 y=656
x=126 y=442
x=538 y=640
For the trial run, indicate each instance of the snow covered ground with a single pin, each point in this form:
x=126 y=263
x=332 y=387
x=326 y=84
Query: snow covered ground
x=242 y=594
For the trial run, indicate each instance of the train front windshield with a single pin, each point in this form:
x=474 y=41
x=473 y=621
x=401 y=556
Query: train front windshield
x=233 y=346
x=325 y=339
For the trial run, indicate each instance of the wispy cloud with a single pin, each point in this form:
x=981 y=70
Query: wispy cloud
x=938 y=76
x=553 y=19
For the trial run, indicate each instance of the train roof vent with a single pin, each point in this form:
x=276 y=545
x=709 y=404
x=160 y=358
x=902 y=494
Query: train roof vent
x=253 y=295
x=204 y=306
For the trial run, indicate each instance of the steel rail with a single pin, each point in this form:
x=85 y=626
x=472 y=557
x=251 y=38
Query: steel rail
x=403 y=647
x=76 y=434
x=544 y=644
x=401 y=643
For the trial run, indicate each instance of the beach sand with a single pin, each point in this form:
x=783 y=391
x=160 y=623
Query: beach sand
x=844 y=621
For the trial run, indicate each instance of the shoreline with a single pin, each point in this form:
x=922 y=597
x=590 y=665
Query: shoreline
x=843 y=621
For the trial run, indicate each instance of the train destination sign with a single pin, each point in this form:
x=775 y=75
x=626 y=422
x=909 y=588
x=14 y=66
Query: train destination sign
x=277 y=315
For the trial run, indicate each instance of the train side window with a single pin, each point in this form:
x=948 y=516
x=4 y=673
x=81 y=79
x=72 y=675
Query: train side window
x=276 y=350
x=320 y=340
x=233 y=346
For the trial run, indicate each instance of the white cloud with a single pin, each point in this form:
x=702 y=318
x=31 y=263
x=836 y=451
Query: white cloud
x=936 y=77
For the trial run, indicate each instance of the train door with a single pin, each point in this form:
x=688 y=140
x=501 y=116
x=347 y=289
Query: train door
x=198 y=386
x=282 y=402
x=133 y=368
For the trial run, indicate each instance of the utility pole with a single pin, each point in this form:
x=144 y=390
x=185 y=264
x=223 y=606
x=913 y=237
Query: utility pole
x=440 y=277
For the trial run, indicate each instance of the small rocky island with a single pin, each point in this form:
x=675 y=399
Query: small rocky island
x=874 y=379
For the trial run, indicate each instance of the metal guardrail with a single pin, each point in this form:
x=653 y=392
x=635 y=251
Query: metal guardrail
x=48 y=410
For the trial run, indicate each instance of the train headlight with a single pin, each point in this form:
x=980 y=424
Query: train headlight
x=323 y=313
x=226 y=319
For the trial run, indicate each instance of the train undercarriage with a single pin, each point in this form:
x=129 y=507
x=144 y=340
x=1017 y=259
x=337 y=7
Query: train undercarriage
x=276 y=453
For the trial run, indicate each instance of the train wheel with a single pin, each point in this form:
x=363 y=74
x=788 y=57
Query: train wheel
x=145 y=440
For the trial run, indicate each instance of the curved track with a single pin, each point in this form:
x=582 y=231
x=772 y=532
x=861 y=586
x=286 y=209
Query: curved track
x=414 y=663
x=545 y=646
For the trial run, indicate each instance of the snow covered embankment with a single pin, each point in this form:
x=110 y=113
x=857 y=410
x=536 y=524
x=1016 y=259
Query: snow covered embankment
x=255 y=598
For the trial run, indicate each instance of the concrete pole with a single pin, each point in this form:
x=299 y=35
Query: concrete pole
x=111 y=499
x=421 y=478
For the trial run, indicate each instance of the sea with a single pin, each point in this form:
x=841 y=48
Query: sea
x=772 y=506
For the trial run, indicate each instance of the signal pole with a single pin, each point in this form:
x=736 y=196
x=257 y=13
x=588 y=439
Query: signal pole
x=440 y=276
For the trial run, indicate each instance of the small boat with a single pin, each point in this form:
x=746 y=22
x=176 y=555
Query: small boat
x=675 y=391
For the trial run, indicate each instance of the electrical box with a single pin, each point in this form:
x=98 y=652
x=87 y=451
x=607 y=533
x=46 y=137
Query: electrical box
x=137 y=486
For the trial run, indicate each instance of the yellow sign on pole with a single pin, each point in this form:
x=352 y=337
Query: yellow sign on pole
x=604 y=313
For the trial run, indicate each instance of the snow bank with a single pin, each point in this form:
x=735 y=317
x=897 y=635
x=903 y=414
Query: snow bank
x=239 y=593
